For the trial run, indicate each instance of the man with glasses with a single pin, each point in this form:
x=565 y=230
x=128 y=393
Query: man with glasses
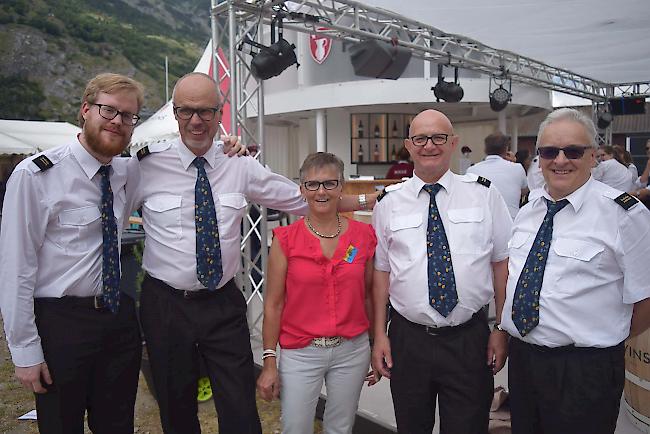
x=441 y=257
x=579 y=285
x=73 y=336
x=194 y=198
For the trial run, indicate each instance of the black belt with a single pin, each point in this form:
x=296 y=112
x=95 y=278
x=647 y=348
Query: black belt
x=94 y=302
x=444 y=331
x=189 y=294
x=567 y=348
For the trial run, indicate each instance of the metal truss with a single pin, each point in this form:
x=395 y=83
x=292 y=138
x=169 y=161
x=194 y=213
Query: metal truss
x=352 y=21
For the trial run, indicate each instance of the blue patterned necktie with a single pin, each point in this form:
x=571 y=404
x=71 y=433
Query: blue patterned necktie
x=208 y=250
x=525 y=304
x=110 y=252
x=442 y=283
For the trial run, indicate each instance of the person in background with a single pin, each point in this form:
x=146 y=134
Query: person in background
x=642 y=180
x=321 y=260
x=441 y=257
x=74 y=338
x=523 y=157
x=508 y=177
x=403 y=168
x=464 y=162
x=610 y=171
x=578 y=254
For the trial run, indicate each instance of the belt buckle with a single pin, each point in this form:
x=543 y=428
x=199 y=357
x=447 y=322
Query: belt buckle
x=327 y=342
x=431 y=331
x=98 y=302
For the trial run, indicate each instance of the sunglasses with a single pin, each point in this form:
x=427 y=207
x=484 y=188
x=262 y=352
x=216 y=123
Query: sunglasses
x=572 y=152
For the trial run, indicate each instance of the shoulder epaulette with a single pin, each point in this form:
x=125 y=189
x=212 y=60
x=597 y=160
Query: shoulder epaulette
x=626 y=201
x=388 y=189
x=43 y=162
x=143 y=153
x=483 y=181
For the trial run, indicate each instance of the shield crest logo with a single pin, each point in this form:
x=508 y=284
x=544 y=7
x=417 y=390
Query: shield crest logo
x=320 y=46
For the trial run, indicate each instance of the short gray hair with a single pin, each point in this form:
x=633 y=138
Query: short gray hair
x=569 y=114
x=318 y=160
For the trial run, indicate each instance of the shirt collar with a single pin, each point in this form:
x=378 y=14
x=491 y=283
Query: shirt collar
x=445 y=181
x=187 y=156
x=493 y=157
x=88 y=163
x=576 y=199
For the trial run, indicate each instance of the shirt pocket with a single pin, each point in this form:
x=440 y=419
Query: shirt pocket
x=163 y=214
x=466 y=232
x=232 y=207
x=581 y=257
x=406 y=235
x=78 y=228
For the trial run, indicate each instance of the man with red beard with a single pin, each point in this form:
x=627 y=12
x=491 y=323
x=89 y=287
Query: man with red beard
x=74 y=339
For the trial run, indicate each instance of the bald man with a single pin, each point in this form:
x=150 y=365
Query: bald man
x=441 y=256
x=193 y=199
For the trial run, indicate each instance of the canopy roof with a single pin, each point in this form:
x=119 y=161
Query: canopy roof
x=601 y=39
x=34 y=136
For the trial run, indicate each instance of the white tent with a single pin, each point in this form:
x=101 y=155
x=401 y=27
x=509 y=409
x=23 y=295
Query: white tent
x=11 y=145
x=40 y=135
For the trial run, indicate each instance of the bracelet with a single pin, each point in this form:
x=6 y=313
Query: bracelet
x=363 y=203
x=266 y=356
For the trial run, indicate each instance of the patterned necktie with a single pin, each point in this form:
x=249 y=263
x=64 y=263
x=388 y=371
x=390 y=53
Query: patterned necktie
x=208 y=250
x=525 y=304
x=110 y=253
x=442 y=283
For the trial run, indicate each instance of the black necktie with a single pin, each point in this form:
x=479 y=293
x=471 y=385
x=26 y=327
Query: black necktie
x=110 y=252
x=442 y=283
x=208 y=249
x=525 y=304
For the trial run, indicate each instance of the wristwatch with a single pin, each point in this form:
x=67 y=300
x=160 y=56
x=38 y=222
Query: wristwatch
x=497 y=326
x=363 y=203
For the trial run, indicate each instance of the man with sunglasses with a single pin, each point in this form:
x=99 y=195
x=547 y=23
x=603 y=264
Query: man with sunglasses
x=579 y=285
x=441 y=257
x=73 y=337
x=193 y=199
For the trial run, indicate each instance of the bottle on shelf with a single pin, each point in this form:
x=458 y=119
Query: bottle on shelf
x=360 y=129
x=360 y=154
x=394 y=132
x=375 y=153
x=377 y=132
x=393 y=154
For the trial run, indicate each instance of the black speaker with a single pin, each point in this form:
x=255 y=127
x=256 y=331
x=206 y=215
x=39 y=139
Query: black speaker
x=627 y=105
x=379 y=59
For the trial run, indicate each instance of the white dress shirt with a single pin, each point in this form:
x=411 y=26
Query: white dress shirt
x=477 y=224
x=597 y=267
x=614 y=174
x=166 y=192
x=508 y=177
x=51 y=238
x=534 y=176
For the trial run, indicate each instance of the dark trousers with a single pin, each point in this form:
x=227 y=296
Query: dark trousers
x=177 y=332
x=451 y=366
x=94 y=359
x=566 y=390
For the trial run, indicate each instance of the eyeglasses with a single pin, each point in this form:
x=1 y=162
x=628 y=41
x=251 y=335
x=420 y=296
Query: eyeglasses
x=572 y=152
x=329 y=184
x=186 y=113
x=109 y=113
x=436 y=139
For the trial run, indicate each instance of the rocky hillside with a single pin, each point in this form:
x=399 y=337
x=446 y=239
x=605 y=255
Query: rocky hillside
x=49 y=49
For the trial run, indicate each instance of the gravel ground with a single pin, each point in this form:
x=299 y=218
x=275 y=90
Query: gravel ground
x=15 y=401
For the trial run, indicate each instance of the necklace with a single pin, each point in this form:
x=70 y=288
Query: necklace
x=338 y=231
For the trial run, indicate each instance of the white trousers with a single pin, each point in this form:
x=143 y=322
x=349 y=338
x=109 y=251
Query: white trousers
x=302 y=372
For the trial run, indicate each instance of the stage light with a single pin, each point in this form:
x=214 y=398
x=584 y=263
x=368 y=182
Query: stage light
x=604 y=119
x=271 y=61
x=448 y=91
x=500 y=97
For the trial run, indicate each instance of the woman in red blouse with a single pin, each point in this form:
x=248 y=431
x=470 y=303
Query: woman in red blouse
x=316 y=305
